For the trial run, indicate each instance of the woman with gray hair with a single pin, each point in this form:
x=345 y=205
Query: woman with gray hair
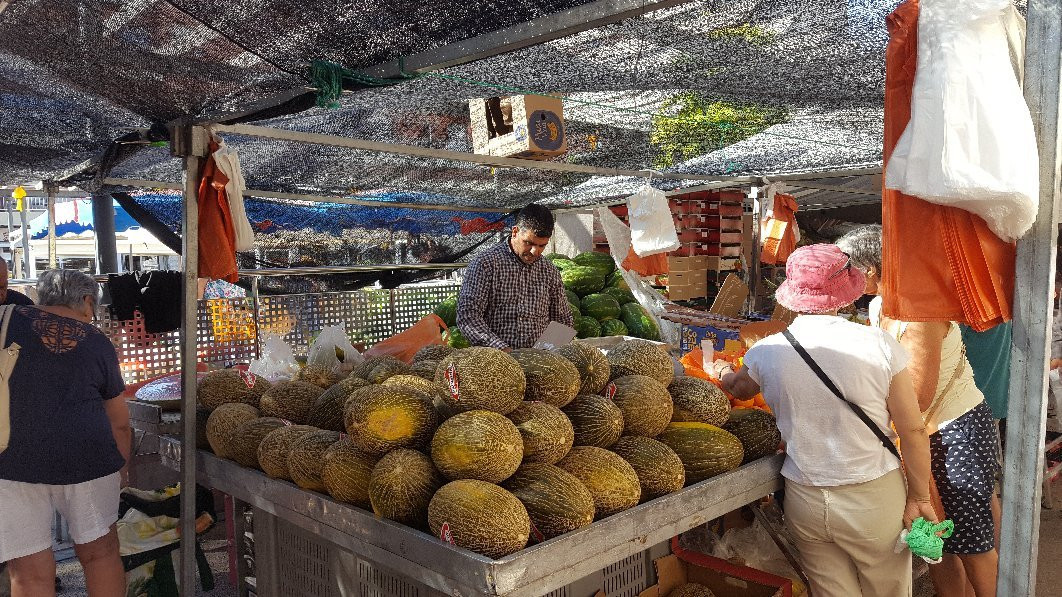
x=963 y=439
x=69 y=439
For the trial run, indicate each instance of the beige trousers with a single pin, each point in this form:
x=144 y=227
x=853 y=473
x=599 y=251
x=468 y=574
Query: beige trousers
x=846 y=536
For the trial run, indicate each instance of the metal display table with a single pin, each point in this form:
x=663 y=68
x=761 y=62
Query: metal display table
x=308 y=544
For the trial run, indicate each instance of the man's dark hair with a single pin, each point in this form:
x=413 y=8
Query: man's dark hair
x=536 y=218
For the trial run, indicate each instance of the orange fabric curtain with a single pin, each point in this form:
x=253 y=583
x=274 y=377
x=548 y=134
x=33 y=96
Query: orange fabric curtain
x=779 y=231
x=217 y=235
x=938 y=263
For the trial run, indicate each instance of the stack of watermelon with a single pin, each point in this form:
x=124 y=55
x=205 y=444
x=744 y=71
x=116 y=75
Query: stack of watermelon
x=601 y=301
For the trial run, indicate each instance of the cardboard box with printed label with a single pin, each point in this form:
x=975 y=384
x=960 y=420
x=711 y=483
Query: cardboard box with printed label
x=519 y=126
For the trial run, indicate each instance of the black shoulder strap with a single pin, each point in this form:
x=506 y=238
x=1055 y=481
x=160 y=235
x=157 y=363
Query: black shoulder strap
x=885 y=441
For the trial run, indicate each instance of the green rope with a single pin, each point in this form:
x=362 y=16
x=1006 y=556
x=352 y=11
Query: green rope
x=327 y=78
x=924 y=540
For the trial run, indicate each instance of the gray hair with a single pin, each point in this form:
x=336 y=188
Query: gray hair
x=863 y=246
x=65 y=288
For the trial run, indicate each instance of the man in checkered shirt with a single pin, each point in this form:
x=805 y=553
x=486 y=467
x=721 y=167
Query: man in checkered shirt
x=510 y=294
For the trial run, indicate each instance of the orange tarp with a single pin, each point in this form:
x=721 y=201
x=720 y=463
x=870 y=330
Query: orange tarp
x=938 y=263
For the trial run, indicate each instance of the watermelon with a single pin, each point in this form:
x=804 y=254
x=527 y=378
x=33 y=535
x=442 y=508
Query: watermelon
x=639 y=323
x=575 y=310
x=573 y=298
x=621 y=295
x=583 y=280
x=596 y=260
x=455 y=339
x=613 y=327
x=587 y=327
x=600 y=306
x=447 y=311
x=563 y=264
x=616 y=280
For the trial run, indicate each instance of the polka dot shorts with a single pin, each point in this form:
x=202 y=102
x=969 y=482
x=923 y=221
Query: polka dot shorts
x=965 y=465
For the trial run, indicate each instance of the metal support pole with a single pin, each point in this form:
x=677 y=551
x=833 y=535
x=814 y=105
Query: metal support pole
x=53 y=189
x=9 y=205
x=1027 y=414
x=755 y=275
x=104 y=232
x=190 y=142
x=27 y=257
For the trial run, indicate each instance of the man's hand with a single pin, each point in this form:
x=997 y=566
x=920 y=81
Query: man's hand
x=916 y=509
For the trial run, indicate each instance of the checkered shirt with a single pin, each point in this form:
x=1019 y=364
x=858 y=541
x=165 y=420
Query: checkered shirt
x=506 y=303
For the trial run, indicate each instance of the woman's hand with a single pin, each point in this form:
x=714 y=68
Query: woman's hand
x=916 y=509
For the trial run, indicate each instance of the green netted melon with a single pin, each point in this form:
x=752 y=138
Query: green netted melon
x=756 y=430
x=432 y=352
x=613 y=327
x=612 y=482
x=691 y=589
x=401 y=487
x=477 y=444
x=557 y=502
x=275 y=447
x=455 y=339
x=223 y=422
x=243 y=447
x=346 y=473
x=550 y=377
x=447 y=311
x=547 y=432
x=414 y=383
x=659 y=469
x=384 y=417
x=639 y=322
x=705 y=450
x=306 y=458
x=481 y=378
x=600 y=306
x=291 y=400
x=318 y=376
x=639 y=357
x=591 y=363
x=327 y=410
x=573 y=299
x=616 y=280
x=621 y=295
x=386 y=369
x=587 y=327
x=597 y=260
x=645 y=403
x=424 y=369
x=363 y=368
x=596 y=420
x=230 y=385
x=698 y=401
x=480 y=517
x=582 y=280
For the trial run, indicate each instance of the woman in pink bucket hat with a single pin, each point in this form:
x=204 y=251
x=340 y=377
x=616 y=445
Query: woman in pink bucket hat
x=836 y=388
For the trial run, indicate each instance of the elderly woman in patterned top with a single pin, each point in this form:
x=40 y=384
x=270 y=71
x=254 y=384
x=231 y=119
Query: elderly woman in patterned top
x=69 y=442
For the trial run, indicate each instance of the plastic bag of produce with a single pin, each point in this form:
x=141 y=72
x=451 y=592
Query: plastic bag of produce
x=278 y=360
x=332 y=350
x=404 y=345
x=652 y=225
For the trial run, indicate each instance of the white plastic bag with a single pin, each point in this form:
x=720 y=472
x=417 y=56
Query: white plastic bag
x=278 y=360
x=617 y=234
x=323 y=350
x=652 y=226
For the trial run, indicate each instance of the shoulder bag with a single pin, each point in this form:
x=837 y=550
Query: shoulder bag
x=8 y=356
x=885 y=441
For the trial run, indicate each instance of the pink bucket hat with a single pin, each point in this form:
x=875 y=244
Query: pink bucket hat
x=819 y=279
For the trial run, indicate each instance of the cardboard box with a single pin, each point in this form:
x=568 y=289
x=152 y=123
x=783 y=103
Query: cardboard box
x=723 y=264
x=723 y=335
x=731 y=297
x=722 y=577
x=685 y=293
x=686 y=264
x=519 y=126
x=688 y=278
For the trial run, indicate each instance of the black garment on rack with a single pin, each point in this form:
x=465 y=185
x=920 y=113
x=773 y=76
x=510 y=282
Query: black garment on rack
x=125 y=295
x=160 y=301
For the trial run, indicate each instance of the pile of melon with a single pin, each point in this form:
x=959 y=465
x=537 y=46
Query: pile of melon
x=485 y=449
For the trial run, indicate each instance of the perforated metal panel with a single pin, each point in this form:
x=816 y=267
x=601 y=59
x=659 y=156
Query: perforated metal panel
x=627 y=577
x=303 y=568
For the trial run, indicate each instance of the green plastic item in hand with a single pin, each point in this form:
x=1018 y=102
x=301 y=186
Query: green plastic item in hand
x=924 y=540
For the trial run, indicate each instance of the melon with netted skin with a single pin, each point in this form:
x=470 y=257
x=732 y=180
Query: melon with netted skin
x=223 y=422
x=705 y=450
x=306 y=458
x=556 y=501
x=347 y=472
x=659 y=469
x=327 y=410
x=384 y=417
x=691 y=589
x=290 y=400
x=386 y=369
x=548 y=434
x=698 y=401
x=596 y=420
x=641 y=357
x=645 y=402
x=401 y=486
x=365 y=367
x=275 y=447
x=479 y=517
x=230 y=385
x=481 y=378
x=757 y=431
x=590 y=362
x=477 y=444
x=243 y=447
x=322 y=377
x=424 y=368
x=551 y=378
x=611 y=480
x=433 y=352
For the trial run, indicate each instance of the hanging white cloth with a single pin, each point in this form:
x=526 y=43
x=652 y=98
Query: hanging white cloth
x=228 y=161
x=970 y=141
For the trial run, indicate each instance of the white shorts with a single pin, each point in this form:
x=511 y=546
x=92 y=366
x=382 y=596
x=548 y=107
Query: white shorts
x=27 y=511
